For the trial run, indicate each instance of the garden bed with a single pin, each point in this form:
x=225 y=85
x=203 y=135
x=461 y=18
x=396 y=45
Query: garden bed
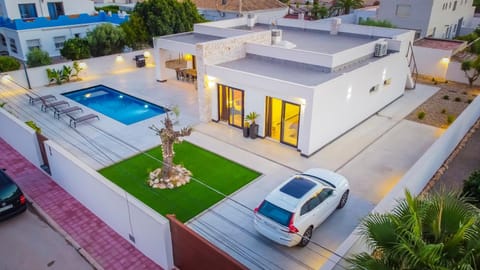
x=446 y=105
x=208 y=169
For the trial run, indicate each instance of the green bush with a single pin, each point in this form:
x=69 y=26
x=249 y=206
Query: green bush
x=37 y=57
x=457 y=99
x=34 y=126
x=106 y=39
x=8 y=63
x=469 y=100
x=450 y=118
x=444 y=111
x=471 y=187
x=421 y=115
x=112 y=8
x=75 y=49
x=446 y=97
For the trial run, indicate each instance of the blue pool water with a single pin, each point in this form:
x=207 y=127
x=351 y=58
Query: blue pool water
x=115 y=104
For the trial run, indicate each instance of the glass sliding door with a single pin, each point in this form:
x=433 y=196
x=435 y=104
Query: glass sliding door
x=230 y=105
x=291 y=120
x=282 y=120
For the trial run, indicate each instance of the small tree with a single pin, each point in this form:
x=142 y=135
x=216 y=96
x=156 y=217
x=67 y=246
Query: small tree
x=36 y=57
x=106 y=39
x=471 y=187
x=471 y=70
x=8 y=63
x=75 y=49
x=169 y=137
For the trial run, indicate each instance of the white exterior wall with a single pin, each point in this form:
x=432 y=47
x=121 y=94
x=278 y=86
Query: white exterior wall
x=96 y=67
x=46 y=36
x=20 y=136
x=122 y=212
x=430 y=61
x=69 y=6
x=340 y=104
x=427 y=16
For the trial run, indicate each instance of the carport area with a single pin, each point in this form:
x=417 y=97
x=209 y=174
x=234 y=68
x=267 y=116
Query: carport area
x=373 y=156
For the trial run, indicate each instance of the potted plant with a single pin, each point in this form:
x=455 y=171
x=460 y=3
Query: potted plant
x=253 y=129
x=246 y=129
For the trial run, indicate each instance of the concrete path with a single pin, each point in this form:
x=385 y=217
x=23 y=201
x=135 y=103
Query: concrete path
x=103 y=247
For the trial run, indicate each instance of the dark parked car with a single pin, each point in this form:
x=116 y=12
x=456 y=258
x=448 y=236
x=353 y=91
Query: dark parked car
x=12 y=200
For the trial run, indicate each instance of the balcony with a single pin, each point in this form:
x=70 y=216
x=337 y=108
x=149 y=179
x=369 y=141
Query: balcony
x=43 y=22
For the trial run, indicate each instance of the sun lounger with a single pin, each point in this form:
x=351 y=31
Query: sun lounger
x=46 y=105
x=80 y=119
x=59 y=111
x=33 y=99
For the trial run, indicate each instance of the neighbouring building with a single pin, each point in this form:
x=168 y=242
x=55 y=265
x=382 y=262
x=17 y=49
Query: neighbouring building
x=429 y=18
x=214 y=10
x=26 y=24
x=310 y=81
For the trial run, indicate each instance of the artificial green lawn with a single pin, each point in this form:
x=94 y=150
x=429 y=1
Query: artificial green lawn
x=189 y=200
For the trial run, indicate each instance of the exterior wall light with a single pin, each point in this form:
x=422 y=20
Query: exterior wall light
x=119 y=59
x=146 y=54
x=445 y=60
x=82 y=65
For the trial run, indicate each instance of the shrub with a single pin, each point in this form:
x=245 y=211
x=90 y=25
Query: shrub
x=75 y=49
x=37 y=57
x=458 y=99
x=421 y=115
x=8 y=63
x=111 y=8
x=469 y=100
x=444 y=111
x=106 y=39
x=471 y=186
x=446 y=97
x=450 y=118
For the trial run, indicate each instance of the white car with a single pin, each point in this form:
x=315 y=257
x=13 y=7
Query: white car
x=291 y=212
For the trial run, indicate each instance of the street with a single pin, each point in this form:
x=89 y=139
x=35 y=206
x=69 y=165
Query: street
x=27 y=242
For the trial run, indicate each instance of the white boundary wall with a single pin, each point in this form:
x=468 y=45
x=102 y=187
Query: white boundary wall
x=417 y=177
x=110 y=64
x=122 y=212
x=20 y=136
x=456 y=74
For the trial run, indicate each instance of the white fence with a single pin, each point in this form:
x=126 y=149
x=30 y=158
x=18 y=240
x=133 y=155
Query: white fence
x=417 y=177
x=20 y=136
x=125 y=214
x=95 y=67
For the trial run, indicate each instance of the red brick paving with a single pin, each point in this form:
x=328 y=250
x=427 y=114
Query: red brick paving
x=108 y=248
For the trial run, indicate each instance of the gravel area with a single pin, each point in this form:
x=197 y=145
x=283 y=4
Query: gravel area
x=444 y=106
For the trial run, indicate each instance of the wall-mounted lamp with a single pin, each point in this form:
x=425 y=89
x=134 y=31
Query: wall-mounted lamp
x=83 y=65
x=119 y=59
x=146 y=54
x=187 y=57
x=445 y=60
x=210 y=81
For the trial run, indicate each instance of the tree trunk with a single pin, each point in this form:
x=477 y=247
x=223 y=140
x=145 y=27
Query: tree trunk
x=167 y=152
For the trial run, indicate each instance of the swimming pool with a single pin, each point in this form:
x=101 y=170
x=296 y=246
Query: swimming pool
x=115 y=104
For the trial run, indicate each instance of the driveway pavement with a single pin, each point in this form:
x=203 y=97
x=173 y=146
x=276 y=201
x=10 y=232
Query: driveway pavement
x=373 y=156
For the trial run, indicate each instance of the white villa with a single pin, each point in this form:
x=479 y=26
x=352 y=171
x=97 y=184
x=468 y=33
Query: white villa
x=27 y=24
x=310 y=81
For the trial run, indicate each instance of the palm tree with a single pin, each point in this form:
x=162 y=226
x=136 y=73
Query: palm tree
x=438 y=231
x=344 y=6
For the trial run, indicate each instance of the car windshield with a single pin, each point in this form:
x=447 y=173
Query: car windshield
x=275 y=213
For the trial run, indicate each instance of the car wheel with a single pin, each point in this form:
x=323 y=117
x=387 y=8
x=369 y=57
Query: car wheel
x=306 y=237
x=343 y=200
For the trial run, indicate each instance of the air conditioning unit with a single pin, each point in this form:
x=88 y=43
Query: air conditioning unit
x=381 y=49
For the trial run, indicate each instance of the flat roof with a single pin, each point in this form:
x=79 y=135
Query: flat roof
x=316 y=40
x=299 y=73
x=191 y=38
x=442 y=44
